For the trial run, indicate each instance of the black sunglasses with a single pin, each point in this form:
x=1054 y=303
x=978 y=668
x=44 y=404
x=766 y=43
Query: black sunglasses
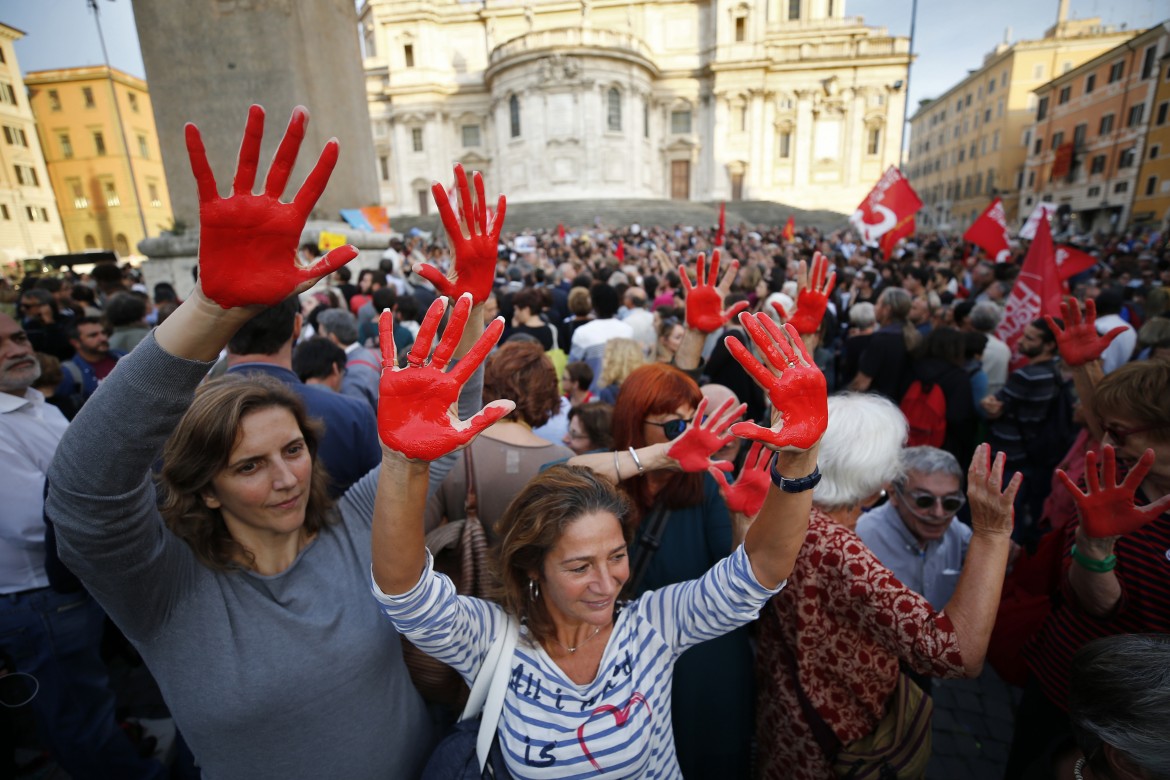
x=672 y=429
x=926 y=501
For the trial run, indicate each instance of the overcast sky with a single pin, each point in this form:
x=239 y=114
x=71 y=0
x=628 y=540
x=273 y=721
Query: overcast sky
x=951 y=35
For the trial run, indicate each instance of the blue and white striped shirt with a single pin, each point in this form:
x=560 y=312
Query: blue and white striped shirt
x=619 y=724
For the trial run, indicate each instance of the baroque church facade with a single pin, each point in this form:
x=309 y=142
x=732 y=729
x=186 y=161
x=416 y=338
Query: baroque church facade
x=782 y=100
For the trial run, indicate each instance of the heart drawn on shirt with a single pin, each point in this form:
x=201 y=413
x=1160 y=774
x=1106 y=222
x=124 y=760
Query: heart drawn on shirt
x=620 y=717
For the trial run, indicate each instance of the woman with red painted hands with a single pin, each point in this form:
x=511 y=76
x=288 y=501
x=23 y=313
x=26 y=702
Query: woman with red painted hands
x=246 y=593
x=591 y=684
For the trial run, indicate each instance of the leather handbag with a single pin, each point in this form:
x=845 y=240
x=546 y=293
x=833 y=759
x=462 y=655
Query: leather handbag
x=460 y=551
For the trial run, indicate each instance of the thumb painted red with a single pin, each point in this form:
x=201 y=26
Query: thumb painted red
x=416 y=404
x=474 y=255
x=248 y=243
x=791 y=379
x=1106 y=507
x=705 y=300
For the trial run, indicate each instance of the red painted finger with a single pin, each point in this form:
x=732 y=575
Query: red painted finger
x=722 y=465
x=433 y=275
x=721 y=479
x=755 y=457
x=785 y=337
x=249 y=157
x=762 y=340
x=480 y=205
x=749 y=430
x=446 y=213
x=1138 y=473
x=487 y=417
x=1092 y=478
x=829 y=285
x=734 y=311
x=286 y=153
x=1156 y=508
x=1090 y=310
x=200 y=168
x=333 y=260
x=498 y=219
x=1107 y=339
x=686 y=279
x=1054 y=326
x=386 y=340
x=779 y=307
x=1069 y=485
x=466 y=206
x=1109 y=477
x=454 y=332
x=426 y=333
x=762 y=376
x=798 y=344
x=479 y=351
x=314 y=185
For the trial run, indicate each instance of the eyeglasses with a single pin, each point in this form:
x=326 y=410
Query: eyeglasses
x=1119 y=434
x=926 y=501
x=672 y=429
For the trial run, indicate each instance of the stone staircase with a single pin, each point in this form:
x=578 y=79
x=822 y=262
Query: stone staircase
x=619 y=213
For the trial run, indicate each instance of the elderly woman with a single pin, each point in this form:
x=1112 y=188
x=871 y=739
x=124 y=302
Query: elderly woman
x=508 y=454
x=563 y=560
x=245 y=594
x=830 y=643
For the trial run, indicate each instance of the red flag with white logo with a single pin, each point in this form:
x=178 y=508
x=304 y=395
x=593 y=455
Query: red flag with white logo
x=889 y=241
x=989 y=232
x=1070 y=261
x=1037 y=289
x=888 y=205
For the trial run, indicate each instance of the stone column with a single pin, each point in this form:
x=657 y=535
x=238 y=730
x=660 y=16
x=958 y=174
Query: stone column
x=802 y=141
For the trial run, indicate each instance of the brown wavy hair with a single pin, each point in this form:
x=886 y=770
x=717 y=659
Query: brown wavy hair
x=201 y=447
x=520 y=371
x=655 y=388
x=531 y=526
x=1138 y=391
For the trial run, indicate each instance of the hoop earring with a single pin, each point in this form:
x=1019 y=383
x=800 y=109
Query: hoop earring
x=533 y=590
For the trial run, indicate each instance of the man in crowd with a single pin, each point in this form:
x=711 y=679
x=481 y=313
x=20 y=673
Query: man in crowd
x=589 y=340
x=639 y=318
x=362 y=368
x=92 y=363
x=264 y=345
x=319 y=361
x=914 y=534
x=1119 y=352
x=53 y=637
x=45 y=329
x=997 y=354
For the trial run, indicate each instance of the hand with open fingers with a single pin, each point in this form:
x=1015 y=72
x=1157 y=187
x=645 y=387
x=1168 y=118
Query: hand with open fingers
x=416 y=404
x=248 y=243
x=1107 y=507
x=473 y=269
x=747 y=495
x=705 y=299
x=813 y=298
x=991 y=507
x=794 y=384
x=1078 y=340
x=693 y=450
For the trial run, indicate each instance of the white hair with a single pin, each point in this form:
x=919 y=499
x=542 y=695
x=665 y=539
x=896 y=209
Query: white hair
x=860 y=450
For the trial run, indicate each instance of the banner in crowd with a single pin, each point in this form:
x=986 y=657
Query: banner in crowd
x=890 y=239
x=1037 y=289
x=990 y=232
x=327 y=241
x=789 y=233
x=889 y=204
x=371 y=219
x=1047 y=210
x=1071 y=261
x=722 y=224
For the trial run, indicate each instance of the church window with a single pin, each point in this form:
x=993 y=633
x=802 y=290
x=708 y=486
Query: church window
x=680 y=121
x=514 y=115
x=784 y=145
x=470 y=135
x=793 y=10
x=613 y=110
x=416 y=139
x=874 y=141
x=740 y=29
x=408 y=53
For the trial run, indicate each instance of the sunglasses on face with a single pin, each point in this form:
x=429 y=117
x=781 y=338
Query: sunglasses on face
x=1119 y=434
x=672 y=429
x=925 y=502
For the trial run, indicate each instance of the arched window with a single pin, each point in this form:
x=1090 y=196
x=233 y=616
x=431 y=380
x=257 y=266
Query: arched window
x=121 y=245
x=90 y=241
x=613 y=112
x=514 y=115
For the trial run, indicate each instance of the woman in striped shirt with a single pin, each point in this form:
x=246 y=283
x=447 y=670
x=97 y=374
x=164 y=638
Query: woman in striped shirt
x=590 y=691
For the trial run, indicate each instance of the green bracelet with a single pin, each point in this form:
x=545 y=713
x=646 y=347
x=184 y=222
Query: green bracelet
x=1092 y=564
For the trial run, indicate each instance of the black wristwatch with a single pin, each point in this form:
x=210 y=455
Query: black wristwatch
x=798 y=485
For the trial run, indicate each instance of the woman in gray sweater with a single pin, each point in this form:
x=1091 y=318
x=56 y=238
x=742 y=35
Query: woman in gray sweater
x=252 y=611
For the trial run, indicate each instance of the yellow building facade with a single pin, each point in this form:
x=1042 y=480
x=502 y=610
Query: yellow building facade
x=1151 y=201
x=29 y=224
x=89 y=119
x=970 y=144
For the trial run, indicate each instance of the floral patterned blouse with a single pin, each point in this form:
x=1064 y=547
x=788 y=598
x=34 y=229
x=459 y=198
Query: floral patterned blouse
x=850 y=621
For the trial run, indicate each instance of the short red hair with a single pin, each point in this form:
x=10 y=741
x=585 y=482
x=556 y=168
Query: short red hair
x=656 y=388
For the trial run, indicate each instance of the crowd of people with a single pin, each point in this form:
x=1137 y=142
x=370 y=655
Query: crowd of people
x=741 y=495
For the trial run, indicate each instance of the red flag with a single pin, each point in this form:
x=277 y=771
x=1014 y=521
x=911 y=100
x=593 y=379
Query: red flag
x=789 y=233
x=561 y=231
x=722 y=223
x=1070 y=261
x=890 y=202
x=1037 y=289
x=621 y=250
x=989 y=232
x=891 y=238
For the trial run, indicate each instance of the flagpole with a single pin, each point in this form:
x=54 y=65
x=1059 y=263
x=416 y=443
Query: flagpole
x=909 y=70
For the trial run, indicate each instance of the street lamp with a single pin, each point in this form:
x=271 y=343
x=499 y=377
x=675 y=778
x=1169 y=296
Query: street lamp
x=909 y=68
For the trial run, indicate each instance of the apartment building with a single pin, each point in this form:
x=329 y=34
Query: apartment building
x=97 y=130
x=970 y=144
x=1090 y=133
x=1151 y=198
x=29 y=224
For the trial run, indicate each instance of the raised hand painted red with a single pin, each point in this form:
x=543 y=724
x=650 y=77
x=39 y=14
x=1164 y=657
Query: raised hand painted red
x=693 y=450
x=474 y=254
x=1107 y=507
x=814 y=296
x=248 y=243
x=416 y=404
x=794 y=384
x=1078 y=340
x=705 y=299
x=747 y=495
